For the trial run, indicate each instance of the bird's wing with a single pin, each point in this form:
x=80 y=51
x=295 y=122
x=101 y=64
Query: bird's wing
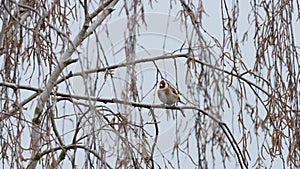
x=174 y=91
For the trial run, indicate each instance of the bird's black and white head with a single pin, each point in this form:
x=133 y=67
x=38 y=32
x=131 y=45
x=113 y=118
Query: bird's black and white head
x=163 y=84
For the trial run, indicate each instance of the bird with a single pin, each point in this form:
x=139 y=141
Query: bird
x=167 y=94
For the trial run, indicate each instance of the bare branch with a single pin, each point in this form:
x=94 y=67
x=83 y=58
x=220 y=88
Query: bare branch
x=84 y=33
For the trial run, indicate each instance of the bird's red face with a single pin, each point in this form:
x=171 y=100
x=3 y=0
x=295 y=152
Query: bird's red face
x=162 y=84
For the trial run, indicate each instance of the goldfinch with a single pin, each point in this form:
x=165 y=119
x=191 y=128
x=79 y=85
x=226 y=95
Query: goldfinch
x=167 y=94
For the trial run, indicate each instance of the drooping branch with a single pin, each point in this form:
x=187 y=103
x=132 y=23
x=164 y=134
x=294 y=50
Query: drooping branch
x=163 y=57
x=74 y=147
x=253 y=86
x=242 y=160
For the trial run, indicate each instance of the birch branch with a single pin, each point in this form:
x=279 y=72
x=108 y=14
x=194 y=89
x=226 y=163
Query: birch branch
x=242 y=160
x=64 y=61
